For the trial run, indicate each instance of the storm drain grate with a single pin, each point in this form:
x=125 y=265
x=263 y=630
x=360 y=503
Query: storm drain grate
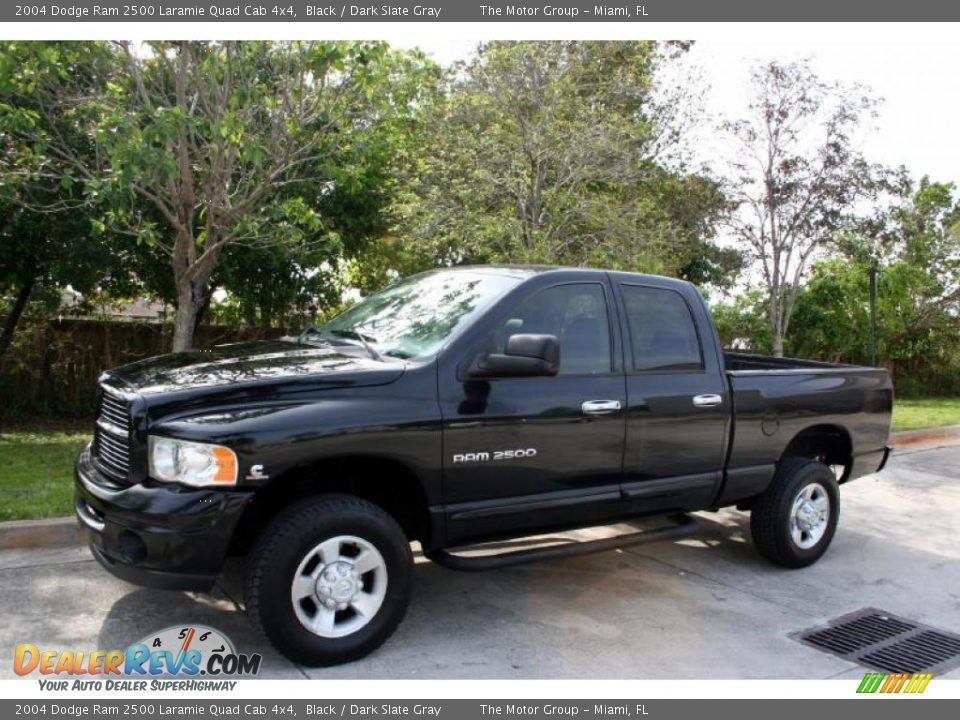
x=918 y=653
x=884 y=641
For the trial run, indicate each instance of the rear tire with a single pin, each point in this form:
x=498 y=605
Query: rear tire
x=793 y=522
x=328 y=580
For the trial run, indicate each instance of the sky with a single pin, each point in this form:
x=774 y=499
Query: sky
x=918 y=82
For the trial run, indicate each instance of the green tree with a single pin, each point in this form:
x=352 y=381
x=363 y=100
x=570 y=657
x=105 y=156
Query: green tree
x=831 y=317
x=228 y=143
x=742 y=324
x=551 y=152
x=268 y=283
x=43 y=250
x=46 y=241
x=913 y=250
x=795 y=176
x=919 y=288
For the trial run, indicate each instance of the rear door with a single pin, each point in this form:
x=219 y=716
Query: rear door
x=536 y=452
x=678 y=404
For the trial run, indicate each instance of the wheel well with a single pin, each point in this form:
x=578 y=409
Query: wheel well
x=828 y=443
x=386 y=483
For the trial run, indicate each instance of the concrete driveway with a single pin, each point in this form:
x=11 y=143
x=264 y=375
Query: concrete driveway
x=704 y=607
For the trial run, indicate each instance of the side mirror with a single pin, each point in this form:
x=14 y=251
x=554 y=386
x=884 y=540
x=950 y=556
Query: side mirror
x=523 y=356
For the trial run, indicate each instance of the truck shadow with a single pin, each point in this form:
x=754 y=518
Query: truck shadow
x=141 y=614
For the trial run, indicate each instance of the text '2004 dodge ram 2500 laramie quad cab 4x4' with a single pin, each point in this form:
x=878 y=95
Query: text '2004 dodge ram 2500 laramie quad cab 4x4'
x=457 y=407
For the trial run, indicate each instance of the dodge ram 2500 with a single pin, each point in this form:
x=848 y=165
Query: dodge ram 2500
x=457 y=407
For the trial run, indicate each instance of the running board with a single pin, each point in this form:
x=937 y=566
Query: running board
x=684 y=525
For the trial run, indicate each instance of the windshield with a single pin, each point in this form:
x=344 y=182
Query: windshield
x=415 y=317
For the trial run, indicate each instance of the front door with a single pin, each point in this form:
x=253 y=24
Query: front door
x=538 y=452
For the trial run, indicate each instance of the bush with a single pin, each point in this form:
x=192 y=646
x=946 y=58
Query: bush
x=918 y=336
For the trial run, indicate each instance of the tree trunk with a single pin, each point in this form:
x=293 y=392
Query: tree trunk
x=776 y=323
x=266 y=319
x=189 y=302
x=873 y=314
x=13 y=319
x=192 y=277
x=777 y=345
x=204 y=308
x=250 y=314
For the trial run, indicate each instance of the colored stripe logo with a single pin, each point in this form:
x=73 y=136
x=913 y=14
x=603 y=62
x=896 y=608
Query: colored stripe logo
x=894 y=682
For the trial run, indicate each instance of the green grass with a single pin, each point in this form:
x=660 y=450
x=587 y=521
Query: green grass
x=916 y=413
x=36 y=473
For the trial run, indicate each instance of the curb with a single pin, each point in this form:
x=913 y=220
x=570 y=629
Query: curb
x=66 y=531
x=51 y=532
x=926 y=438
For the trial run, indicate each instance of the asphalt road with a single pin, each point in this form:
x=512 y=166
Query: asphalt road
x=704 y=607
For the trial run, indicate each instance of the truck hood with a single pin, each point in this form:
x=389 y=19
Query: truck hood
x=262 y=368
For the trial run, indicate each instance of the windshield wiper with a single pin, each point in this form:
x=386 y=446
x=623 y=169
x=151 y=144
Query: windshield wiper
x=364 y=340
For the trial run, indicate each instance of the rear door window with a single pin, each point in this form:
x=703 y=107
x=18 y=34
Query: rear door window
x=663 y=336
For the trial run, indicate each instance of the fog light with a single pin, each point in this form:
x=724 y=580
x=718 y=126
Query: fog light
x=132 y=548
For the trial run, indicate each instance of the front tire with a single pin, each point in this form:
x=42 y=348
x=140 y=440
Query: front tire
x=328 y=580
x=793 y=522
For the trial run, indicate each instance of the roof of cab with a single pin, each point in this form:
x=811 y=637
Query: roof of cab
x=526 y=271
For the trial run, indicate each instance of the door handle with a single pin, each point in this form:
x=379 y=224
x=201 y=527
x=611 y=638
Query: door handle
x=600 y=407
x=707 y=400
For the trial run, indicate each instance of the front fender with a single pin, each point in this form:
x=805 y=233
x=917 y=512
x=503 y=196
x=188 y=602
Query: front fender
x=272 y=440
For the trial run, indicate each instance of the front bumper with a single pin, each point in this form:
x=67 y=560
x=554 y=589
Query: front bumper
x=157 y=535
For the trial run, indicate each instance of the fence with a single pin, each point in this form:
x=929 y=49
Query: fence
x=52 y=368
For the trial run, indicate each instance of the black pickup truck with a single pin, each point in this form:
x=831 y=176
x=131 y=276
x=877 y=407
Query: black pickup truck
x=453 y=408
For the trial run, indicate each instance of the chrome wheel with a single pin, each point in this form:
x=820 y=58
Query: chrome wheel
x=339 y=586
x=809 y=516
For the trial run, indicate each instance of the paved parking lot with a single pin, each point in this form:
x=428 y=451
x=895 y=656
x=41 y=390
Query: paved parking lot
x=704 y=607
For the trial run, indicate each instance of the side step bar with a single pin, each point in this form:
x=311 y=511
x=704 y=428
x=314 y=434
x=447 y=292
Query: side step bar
x=683 y=525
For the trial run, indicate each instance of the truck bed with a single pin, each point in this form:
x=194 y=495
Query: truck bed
x=738 y=362
x=775 y=400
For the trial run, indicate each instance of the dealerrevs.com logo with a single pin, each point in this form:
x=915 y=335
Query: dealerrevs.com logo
x=176 y=652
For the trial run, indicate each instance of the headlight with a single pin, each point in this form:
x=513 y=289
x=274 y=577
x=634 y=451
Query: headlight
x=191 y=463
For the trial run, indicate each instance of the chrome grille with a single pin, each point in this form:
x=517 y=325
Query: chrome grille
x=114 y=410
x=112 y=436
